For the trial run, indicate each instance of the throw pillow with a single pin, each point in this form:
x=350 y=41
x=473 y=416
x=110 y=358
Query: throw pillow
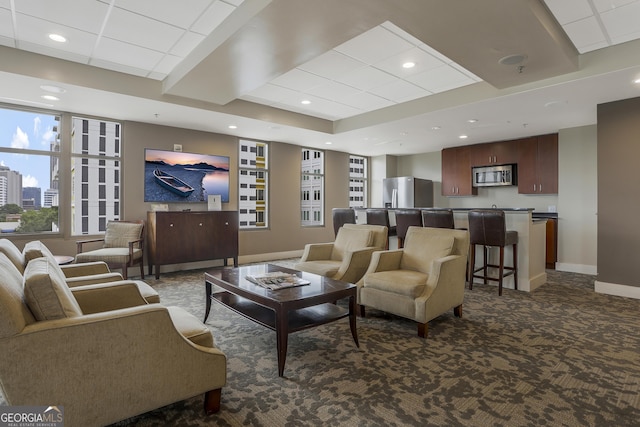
x=47 y=293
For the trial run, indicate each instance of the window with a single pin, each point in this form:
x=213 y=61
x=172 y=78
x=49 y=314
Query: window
x=357 y=182
x=95 y=174
x=29 y=162
x=253 y=183
x=312 y=187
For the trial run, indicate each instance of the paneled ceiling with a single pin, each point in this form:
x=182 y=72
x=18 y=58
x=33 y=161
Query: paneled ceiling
x=370 y=77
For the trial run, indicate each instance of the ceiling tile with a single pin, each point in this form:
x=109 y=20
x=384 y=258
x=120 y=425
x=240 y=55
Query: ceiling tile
x=367 y=101
x=440 y=79
x=399 y=91
x=141 y=31
x=126 y=54
x=299 y=80
x=167 y=11
x=566 y=11
x=333 y=91
x=6 y=23
x=374 y=45
x=605 y=5
x=87 y=15
x=35 y=31
x=234 y=2
x=212 y=17
x=585 y=33
x=365 y=78
x=51 y=51
x=7 y=41
x=331 y=65
x=622 y=23
x=423 y=61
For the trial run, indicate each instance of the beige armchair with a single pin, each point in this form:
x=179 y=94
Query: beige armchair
x=123 y=246
x=348 y=257
x=102 y=362
x=420 y=281
x=75 y=274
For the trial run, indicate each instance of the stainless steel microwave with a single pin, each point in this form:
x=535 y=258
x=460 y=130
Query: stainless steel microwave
x=492 y=176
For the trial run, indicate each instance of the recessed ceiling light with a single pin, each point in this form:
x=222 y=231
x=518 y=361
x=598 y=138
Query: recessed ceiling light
x=435 y=128
x=472 y=120
x=463 y=137
x=305 y=102
x=409 y=64
x=52 y=89
x=233 y=127
x=50 y=98
x=57 y=38
x=328 y=142
x=636 y=81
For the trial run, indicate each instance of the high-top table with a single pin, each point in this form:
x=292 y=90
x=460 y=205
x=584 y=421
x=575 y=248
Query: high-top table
x=285 y=310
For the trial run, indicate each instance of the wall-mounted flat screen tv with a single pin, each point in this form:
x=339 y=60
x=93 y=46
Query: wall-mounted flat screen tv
x=172 y=176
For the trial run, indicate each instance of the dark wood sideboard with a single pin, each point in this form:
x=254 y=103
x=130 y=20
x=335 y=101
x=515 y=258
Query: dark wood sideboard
x=180 y=237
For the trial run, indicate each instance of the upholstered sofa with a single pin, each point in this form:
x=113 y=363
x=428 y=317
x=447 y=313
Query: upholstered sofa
x=75 y=274
x=421 y=281
x=348 y=257
x=73 y=347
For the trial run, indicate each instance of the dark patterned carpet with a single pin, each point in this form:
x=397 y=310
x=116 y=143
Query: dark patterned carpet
x=559 y=356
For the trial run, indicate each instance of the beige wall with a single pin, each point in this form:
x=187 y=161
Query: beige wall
x=577 y=200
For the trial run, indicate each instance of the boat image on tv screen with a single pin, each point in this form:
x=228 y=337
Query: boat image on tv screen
x=172 y=176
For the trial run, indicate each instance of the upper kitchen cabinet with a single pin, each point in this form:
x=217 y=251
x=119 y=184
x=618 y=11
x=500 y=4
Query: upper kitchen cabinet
x=494 y=153
x=456 y=172
x=538 y=165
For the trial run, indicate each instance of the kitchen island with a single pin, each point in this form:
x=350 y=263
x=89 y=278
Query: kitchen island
x=531 y=245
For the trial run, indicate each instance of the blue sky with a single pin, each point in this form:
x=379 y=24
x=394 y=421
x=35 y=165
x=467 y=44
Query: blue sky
x=27 y=130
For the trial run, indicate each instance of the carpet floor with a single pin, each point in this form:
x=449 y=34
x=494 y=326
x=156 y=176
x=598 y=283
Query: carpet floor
x=562 y=355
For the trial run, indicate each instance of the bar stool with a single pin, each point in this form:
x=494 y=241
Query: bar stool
x=342 y=216
x=381 y=217
x=405 y=218
x=487 y=228
x=438 y=218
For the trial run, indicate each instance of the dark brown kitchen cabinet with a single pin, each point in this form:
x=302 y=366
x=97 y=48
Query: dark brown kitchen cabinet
x=181 y=237
x=538 y=165
x=456 y=172
x=494 y=153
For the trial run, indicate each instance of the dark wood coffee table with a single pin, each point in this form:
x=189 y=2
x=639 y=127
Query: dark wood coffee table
x=284 y=310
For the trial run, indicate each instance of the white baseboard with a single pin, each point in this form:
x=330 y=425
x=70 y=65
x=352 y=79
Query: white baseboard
x=617 y=290
x=577 y=268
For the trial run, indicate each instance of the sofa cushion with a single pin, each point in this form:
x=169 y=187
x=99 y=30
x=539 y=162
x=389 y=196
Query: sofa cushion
x=108 y=255
x=349 y=239
x=13 y=254
x=36 y=249
x=404 y=282
x=421 y=248
x=119 y=234
x=46 y=291
x=326 y=268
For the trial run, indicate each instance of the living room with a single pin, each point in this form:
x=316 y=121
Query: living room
x=596 y=244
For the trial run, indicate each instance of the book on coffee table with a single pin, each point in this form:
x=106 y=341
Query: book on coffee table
x=277 y=280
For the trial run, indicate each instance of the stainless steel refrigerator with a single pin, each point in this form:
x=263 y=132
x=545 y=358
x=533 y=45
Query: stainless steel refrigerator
x=407 y=192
